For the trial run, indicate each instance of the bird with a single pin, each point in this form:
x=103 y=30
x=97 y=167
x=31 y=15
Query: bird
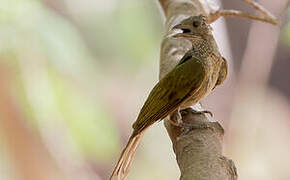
x=199 y=71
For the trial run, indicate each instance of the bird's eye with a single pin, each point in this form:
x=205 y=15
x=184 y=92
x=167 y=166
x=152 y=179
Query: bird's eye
x=196 y=23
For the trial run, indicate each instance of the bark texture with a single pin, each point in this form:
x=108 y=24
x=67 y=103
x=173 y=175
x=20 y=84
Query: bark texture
x=198 y=149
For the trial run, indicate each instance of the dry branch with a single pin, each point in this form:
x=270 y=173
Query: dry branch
x=235 y=13
x=267 y=16
x=199 y=150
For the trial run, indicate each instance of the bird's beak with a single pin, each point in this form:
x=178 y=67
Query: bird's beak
x=178 y=26
x=184 y=30
x=179 y=35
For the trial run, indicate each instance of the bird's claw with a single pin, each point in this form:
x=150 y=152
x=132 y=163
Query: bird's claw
x=203 y=112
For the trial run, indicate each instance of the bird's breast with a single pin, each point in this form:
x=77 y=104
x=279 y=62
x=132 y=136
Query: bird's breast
x=212 y=65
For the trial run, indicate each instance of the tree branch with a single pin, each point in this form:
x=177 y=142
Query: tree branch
x=198 y=150
x=267 y=16
x=235 y=13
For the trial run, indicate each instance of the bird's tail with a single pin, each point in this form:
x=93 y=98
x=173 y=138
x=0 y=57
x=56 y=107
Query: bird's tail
x=122 y=168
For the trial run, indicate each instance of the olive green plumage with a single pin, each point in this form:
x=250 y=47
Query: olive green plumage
x=170 y=92
x=199 y=71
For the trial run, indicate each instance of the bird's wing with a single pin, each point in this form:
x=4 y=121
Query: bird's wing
x=223 y=73
x=171 y=91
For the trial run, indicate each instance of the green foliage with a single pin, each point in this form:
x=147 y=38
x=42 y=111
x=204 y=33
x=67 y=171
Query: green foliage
x=88 y=121
x=48 y=54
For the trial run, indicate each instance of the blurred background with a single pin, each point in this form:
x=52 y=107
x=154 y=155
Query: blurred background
x=75 y=73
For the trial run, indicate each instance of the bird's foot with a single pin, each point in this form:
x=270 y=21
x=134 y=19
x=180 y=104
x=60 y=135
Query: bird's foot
x=202 y=112
x=176 y=119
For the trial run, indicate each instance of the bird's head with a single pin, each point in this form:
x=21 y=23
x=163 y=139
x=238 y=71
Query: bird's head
x=193 y=26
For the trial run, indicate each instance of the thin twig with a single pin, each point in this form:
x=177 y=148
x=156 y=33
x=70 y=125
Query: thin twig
x=260 y=8
x=267 y=16
x=235 y=13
